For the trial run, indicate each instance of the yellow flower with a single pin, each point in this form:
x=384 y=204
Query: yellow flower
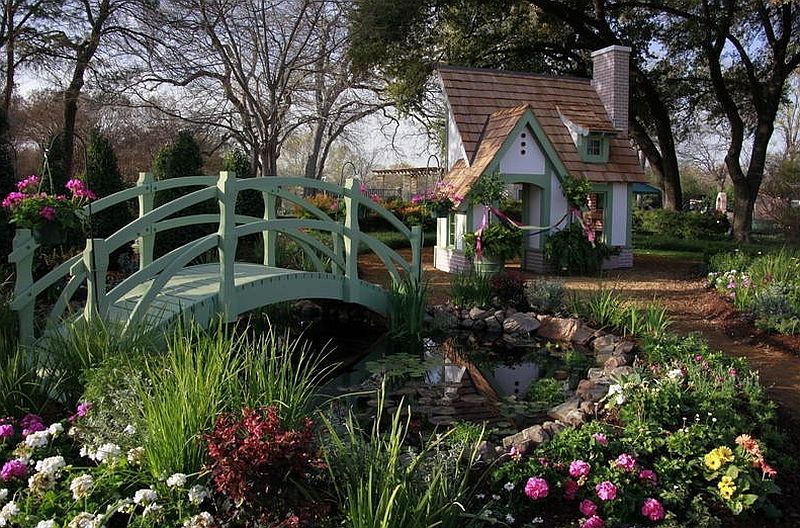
x=726 y=487
x=712 y=460
x=724 y=453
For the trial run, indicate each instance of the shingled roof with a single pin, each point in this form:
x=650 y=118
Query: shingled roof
x=484 y=102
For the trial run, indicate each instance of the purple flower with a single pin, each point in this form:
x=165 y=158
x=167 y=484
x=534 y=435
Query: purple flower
x=606 y=490
x=648 y=476
x=600 y=438
x=6 y=430
x=593 y=522
x=15 y=468
x=84 y=408
x=652 y=509
x=579 y=468
x=587 y=507
x=625 y=462
x=536 y=488
x=31 y=423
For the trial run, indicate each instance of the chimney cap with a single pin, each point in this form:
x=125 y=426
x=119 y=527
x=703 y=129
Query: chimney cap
x=609 y=49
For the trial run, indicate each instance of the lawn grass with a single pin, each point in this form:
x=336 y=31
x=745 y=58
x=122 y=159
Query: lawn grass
x=701 y=249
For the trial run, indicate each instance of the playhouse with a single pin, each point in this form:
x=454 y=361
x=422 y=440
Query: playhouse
x=534 y=130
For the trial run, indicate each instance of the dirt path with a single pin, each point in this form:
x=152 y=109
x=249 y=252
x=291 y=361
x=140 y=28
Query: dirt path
x=677 y=285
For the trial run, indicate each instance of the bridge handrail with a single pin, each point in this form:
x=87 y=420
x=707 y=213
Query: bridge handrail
x=91 y=265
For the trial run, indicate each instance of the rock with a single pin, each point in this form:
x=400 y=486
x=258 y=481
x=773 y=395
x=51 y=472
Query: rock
x=603 y=354
x=441 y=420
x=553 y=428
x=615 y=361
x=620 y=372
x=487 y=452
x=592 y=390
x=561 y=375
x=444 y=320
x=480 y=324
x=536 y=434
x=583 y=334
x=595 y=373
x=575 y=418
x=561 y=411
x=587 y=408
x=557 y=328
x=477 y=313
x=467 y=323
x=605 y=341
x=308 y=310
x=500 y=315
x=624 y=347
x=520 y=323
x=493 y=325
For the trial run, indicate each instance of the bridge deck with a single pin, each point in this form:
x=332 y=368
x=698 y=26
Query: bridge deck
x=190 y=288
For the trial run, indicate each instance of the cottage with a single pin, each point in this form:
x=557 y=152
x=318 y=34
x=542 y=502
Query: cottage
x=535 y=130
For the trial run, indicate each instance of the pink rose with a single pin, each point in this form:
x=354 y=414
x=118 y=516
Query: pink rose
x=579 y=468
x=593 y=522
x=587 y=507
x=649 y=477
x=652 y=509
x=536 y=488
x=600 y=438
x=606 y=490
x=13 y=469
x=626 y=462
x=570 y=489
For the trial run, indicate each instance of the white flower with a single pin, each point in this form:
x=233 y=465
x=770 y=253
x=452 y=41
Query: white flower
x=153 y=510
x=37 y=439
x=9 y=510
x=129 y=430
x=616 y=388
x=675 y=374
x=46 y=524
x=108 y=452
x=88 y=452
x=51 y=465
x=145 y=496
x=198 y=493
x=509 y=486
x=3 y=494
x=178 y=479
x=80 y=486
x=620 y=399
x=496 y=497
x=136 y=456
x=41 y=482
x=85 y=520
x=510 y=518
x=201 y=520
x=537 y=520
x=55 y=429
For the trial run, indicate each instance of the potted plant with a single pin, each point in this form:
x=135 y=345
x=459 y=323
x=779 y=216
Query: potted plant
x=492 y=246
x=45 y=214
x=439 y=201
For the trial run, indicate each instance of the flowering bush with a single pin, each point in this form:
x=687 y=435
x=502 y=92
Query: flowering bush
x=32 y=209
x=440 y=200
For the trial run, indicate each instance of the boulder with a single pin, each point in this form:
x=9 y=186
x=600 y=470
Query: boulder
x=553 y=428
x=493 y=325
x=604 y=342
x=444 y=320
x=583 y=334
x=487 y=452
x=536 y=434
x=467 y=323
x=477 y=314
x=624 y=347
x=592 y=390
x=561 y=411
x=595 y=373
x=520 y=323
x=615 y=361
x=308 y=310
x=557 y=328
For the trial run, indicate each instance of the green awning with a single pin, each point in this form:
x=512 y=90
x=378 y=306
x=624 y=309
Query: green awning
x=645 y=188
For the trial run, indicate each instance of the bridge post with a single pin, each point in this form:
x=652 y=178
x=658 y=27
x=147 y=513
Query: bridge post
x=417 y=241
x=146 y=242
x=22 y=252
x=226 y=195
x=352 y=200
x=270 y=236
x=95 y=259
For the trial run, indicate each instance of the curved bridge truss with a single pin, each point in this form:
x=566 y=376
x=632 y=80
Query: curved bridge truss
x=174 y=285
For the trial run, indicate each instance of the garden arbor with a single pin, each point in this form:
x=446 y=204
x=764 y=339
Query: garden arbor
x=175 y=285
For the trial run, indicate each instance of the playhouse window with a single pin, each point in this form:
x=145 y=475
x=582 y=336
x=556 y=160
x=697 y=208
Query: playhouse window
x=594 y=147
x=451 y=230
x=594 y=218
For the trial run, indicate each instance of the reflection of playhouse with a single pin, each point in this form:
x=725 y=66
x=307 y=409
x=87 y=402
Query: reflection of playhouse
x=533 y=130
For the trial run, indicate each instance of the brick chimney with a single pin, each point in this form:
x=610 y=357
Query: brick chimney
x=611 y=80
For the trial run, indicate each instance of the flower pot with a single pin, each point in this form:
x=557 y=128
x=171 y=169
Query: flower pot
x=488 y=266
x=49 y=234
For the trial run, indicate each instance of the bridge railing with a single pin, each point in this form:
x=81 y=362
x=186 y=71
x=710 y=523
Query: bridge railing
x=90 y=267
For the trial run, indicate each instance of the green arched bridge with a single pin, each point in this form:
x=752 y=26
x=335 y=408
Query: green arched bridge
x=175 y=285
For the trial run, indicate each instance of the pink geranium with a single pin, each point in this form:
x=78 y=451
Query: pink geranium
x=31 y=423
x=625 y=462
x=579 y=468
x=6 y=430
x=536 y=488
x=593 y=522
x=570 y=489
x=652 y=509
x=606 y=490
x=48 y=213
x=588 y=508
x=600 y=438
x=13 y=469
x=648 y=476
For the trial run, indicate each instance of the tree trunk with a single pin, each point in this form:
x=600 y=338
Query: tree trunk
x=71 y=96
x=743 y=211
x=8 y=90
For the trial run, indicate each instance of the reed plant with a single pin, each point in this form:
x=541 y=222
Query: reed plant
x=602 y=307
x=381 y=482
x=407 y=301
x=467 y=290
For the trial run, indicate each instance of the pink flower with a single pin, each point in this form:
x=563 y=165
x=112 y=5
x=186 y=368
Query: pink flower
x=48 y=213
x=600 y=438
x=652 y=509
x=84 y=408
x=79 y=190
x=593 y=522
x=15 y=468
x=579 y=468
x=606 y=490
x=13 y=199
x=625 y=462
x=587 y=507
x=536 y=488
x=515 y=454
x=649 y=477
x=570 y=489
x=6 y=430
x=28 y=184
x=732 y=372
x=31 y=423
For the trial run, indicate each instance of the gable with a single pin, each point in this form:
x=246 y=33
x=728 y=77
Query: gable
x=523 y=155
x=474 y=94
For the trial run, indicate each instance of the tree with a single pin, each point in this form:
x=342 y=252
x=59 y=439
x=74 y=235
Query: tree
x=406 y=38
x=7 y=180
x=104 y=178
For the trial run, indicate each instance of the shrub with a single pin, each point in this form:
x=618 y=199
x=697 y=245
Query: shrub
x=680 y=224
x=545 y=296
x=497 y=242
x=508 y=289
x=569 y=252
x=546 y=390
